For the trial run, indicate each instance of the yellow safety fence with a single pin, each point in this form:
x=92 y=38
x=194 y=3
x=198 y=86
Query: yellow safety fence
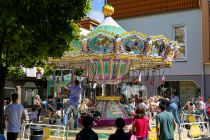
x=153 y=133
x=194 y=130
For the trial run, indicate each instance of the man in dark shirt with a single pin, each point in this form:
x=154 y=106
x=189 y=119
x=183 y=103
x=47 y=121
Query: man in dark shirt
x=87 y=133
x=120 y=134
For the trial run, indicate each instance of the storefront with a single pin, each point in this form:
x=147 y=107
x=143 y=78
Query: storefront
x=185 y=90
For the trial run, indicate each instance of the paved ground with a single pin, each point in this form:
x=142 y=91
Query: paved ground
x=103 y=132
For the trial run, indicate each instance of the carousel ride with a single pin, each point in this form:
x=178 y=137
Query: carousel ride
x=109 y=53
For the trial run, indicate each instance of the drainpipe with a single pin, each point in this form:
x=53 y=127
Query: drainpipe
x=204 y=83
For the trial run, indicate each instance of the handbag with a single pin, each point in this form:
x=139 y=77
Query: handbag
x=133 y=137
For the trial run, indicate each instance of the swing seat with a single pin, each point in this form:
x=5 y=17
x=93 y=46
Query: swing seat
x=191 y=118
x=195 y=131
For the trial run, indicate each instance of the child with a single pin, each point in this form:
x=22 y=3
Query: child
x=191 y=108
x=201 y=106
x=140 y=125
x=33 y=115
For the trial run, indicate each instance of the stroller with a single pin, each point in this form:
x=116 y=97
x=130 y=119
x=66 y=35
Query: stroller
x=52 y=111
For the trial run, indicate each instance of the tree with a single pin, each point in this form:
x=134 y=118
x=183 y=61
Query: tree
x=33 y=30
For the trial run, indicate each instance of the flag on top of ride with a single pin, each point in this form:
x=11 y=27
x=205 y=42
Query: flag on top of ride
x=163 y=79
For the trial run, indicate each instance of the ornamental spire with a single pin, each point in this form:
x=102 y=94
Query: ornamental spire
x=108 y=10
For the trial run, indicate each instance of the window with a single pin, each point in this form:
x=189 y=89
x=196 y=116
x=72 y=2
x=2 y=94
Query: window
x=180 y=37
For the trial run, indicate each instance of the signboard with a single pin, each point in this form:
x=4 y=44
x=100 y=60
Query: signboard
x=105 y=98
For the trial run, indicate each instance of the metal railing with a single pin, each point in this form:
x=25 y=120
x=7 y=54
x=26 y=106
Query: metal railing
x=55 y=131
x=185 y=131
x=195 y=130
x=187 y=117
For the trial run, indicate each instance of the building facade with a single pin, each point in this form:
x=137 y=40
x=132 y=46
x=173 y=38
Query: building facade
x=187 y=22
x=88 y=23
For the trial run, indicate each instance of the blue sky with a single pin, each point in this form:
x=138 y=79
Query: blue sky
x=96 y=10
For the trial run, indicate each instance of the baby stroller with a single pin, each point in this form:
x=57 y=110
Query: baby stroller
x=52 y=112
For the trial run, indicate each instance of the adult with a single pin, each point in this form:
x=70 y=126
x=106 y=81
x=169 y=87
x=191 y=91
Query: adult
x=72 y=105
x=142 y=103
x=119 y=134
x=153 y=106
x=175 y=98
x=83 y=108
x=87 y=133
x=7 y=101
x=165 y=124
x=171 y=107
x=59 y=103
x=208 y=108
x=130 y=108
x=137 y=102
x=38 y=105
x=14 y=116
x=2 y=137
x=140 y=125
x=123 y=99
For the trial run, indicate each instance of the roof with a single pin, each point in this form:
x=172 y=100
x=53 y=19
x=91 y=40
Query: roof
x=109 y=25
x=89 y=19
x=109 y=21
x=131 y=8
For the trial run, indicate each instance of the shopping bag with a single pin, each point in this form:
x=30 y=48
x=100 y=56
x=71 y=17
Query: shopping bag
x=133 y=137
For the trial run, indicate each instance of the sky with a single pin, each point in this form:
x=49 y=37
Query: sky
x=96 y=10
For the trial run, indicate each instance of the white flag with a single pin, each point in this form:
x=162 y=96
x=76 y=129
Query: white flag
x=163 y=79
x=140 y=77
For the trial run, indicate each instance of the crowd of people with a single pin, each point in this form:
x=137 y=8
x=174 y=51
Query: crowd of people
x=151 y=106
x=165 y=124
x=15 y=114
x=147 y=111
x=162 y=112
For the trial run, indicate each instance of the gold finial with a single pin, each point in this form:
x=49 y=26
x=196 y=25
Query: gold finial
x=108 y=10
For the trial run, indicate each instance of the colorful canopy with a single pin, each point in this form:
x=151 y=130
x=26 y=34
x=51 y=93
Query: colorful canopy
x=109 y=52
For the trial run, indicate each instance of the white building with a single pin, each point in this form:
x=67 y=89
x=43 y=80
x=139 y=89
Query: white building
x=186 y=21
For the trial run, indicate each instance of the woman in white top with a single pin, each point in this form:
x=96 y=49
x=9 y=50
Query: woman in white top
x=38 y=105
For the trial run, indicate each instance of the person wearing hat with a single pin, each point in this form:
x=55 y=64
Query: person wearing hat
x=200 y=105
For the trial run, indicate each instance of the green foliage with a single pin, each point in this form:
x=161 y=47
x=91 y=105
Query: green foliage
x=48 y=70
x=79 y=71
x=33 y=30
x=15 y=73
